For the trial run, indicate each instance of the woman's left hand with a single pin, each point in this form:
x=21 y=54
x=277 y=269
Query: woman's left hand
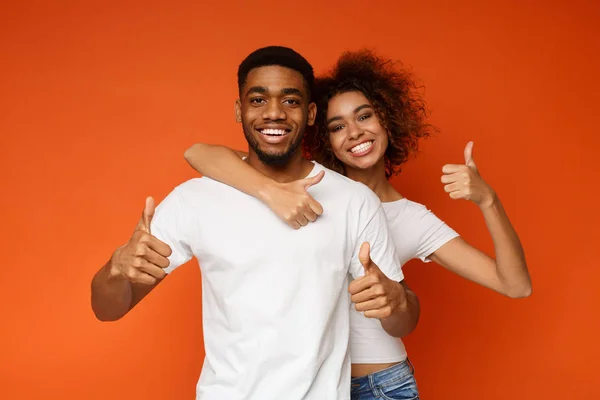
x=462 y=181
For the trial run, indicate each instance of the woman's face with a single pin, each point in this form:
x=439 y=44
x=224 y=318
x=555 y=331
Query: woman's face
x=357 y=138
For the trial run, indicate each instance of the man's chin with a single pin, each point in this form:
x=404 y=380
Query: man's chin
x=274 y=159
x=273 y=154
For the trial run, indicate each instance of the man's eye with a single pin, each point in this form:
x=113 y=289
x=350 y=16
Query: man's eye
x=257 y=101
x=292 y=102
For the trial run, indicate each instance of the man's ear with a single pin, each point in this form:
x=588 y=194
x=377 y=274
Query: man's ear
x=312 y=114
x=238 y=111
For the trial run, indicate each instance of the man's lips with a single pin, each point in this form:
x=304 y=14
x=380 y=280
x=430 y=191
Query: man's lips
x=273 y=135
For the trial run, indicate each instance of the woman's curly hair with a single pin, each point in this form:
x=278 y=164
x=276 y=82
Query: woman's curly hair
x=393 y=93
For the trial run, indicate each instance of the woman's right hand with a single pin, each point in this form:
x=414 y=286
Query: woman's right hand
x=292 y=202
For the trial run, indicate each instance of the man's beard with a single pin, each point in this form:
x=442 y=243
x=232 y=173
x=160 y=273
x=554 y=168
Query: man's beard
x=277 y=160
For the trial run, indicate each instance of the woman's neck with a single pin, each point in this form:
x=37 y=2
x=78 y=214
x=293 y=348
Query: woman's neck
x=376 y=180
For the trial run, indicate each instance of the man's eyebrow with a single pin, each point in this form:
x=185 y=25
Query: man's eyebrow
x=257 y=89
x=295 y=91
x=356 y=111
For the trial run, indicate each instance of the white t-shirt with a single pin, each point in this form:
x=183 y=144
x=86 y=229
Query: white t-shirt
x=417 y=233
x=275 y=301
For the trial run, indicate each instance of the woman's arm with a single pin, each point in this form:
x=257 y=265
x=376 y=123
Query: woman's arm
x=507 y=273
x=289 y=201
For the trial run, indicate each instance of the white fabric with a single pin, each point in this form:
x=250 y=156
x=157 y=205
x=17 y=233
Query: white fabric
x=417 y=233
x=275 y=301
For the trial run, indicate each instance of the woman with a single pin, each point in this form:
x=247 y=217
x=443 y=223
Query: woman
x=369 y=120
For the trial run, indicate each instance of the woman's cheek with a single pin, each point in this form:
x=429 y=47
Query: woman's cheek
x=335 y=144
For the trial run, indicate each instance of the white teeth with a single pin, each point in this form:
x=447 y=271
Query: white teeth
x=273 y=132
x=361 y=147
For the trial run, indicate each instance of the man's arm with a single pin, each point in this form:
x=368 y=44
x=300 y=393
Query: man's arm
x=114 y=296
x=404 y=320
x=377 y=296
x=131 y=273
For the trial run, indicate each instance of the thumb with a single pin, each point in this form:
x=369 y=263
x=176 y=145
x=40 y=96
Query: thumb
x=469 y=162
x=364 y=256
x=147 y=214
x=314 y=180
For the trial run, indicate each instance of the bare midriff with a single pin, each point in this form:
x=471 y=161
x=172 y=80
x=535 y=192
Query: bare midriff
x=366 y=369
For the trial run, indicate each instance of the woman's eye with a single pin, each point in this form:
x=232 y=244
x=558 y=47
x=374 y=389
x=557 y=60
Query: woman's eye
x=364 y=117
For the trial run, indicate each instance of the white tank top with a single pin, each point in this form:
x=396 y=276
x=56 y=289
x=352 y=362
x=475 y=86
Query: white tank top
x=417 y=233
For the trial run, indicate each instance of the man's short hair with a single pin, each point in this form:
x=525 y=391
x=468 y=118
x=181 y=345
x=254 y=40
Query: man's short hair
x=280 y=56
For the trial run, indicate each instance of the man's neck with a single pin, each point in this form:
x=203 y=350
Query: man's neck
x=296 y=168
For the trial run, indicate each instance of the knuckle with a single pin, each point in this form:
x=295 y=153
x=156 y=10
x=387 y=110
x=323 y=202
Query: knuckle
x=143 y=238
x=131 y=274
x=140 y=249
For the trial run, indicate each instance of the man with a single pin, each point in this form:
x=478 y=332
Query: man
x=275 y=300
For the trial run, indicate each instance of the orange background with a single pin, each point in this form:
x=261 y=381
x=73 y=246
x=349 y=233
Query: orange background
x=99 y=101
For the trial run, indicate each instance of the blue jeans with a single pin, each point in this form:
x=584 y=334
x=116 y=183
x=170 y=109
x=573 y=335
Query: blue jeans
x=393 y=383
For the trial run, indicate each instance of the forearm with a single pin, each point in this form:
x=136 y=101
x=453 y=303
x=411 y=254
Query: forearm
x=511 y=265
x=111 y=297
x=406 y=316
x=226 y=166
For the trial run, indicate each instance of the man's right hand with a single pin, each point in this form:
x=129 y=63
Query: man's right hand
x=292 y=202
x=144 y=257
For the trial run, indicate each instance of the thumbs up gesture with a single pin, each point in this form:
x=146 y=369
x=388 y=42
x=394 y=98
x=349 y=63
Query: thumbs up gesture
x=292 y=202
x=462 y=181
x=143 y=258
x=374 y=293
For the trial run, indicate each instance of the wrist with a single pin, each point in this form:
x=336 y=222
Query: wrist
x=114 y=272
x=265 y=191
x=489 y=200
x=402 y=305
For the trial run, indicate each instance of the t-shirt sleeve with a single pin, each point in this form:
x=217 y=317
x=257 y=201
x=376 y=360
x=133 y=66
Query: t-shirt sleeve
x=170 y=225
x=434 y=233
x=383 y=252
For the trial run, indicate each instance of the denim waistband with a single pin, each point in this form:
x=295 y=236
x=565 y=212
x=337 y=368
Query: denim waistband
x=383 y=378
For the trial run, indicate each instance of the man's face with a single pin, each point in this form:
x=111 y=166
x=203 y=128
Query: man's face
x=274 y=109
